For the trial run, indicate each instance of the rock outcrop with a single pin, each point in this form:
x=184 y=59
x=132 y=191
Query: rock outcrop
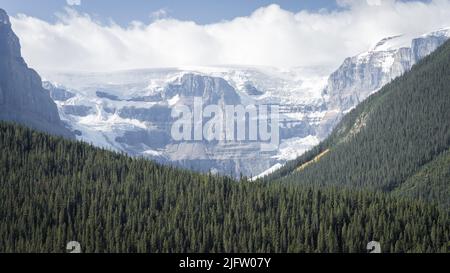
x=22 y=97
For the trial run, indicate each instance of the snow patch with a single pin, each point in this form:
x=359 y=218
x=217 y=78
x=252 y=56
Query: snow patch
x=174 y=100
x=268 y=171
x=292 y=148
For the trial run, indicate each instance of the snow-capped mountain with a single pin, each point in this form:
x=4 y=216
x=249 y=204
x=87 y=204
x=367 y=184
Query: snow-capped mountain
x=130 y=111
x=366 y=73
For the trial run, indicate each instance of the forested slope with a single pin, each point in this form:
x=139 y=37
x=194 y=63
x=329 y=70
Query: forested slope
x=388 y=138
x=53 y=191
x=430 y=182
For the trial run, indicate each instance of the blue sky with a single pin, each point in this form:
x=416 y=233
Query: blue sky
x=123 y=12
x=200 y=11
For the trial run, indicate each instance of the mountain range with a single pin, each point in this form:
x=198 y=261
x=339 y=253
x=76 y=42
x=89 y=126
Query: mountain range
x=381 y=175
x=379 y=172
x=129 y=111
x=396 y=141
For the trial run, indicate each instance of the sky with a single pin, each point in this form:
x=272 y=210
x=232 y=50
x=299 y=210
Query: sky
x=124 y=12
x=102 y=35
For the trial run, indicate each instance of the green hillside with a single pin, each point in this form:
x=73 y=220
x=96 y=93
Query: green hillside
x=430 y=182
x=53 y=191
x=386 y=142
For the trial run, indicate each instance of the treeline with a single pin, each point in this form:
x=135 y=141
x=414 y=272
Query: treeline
x=53 y=191
x=389 y=138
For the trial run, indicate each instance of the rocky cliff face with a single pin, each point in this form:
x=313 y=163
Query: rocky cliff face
x=361 y=75
x=130 y=111
x=213 y=90
x=22 y=97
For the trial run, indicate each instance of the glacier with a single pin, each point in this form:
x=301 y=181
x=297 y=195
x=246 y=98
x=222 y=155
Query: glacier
x=130 y=111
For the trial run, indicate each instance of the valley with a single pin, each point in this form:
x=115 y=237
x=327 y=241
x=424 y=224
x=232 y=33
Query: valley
x=361 y=158
x=130 y=111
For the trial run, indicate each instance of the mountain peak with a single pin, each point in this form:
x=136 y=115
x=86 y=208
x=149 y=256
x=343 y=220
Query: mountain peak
x=392 y=43
x=445 y=31
x=4 y=18
x=22 y=98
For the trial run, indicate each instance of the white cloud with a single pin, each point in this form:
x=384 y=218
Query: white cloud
x=269 y=36
x=374 y=2
x=73 y=2
x=346 y=3
x=159 y=14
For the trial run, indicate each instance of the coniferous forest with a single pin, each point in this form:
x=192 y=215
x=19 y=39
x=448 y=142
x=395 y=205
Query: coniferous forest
x=397 y=141
x=382 y=175
x=54 y=190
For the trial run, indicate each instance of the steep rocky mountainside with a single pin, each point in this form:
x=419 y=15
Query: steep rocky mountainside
x=130 y=111
x=362 y=75
x=396 y=141
x=22 y=97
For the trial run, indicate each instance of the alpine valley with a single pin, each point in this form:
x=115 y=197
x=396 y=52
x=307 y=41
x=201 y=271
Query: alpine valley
x=364 y=157
x=130 y=111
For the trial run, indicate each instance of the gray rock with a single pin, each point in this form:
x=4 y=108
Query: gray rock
x=106 y=95
x=156 y=113
x=77 y=110
x=154 y=139
x=213 y=90
x=360 y=76
x=252 y=90
x=57 y=93
x=23 y=99
x=151 y=98
x=423 y=46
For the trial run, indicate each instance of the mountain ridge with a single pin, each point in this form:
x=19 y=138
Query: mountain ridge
x=22 y=97
x=311 y=104
x=390 y=136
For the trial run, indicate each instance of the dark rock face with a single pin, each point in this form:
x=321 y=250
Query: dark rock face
x=22 y=97
x=57 y=93
x=106 y=95
x=77 y=110
x=155 y=139
x=156 y=113
x=361 y=75
x=151 y=98
x=422 y=47
x=213 y=90
x=252 y=91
